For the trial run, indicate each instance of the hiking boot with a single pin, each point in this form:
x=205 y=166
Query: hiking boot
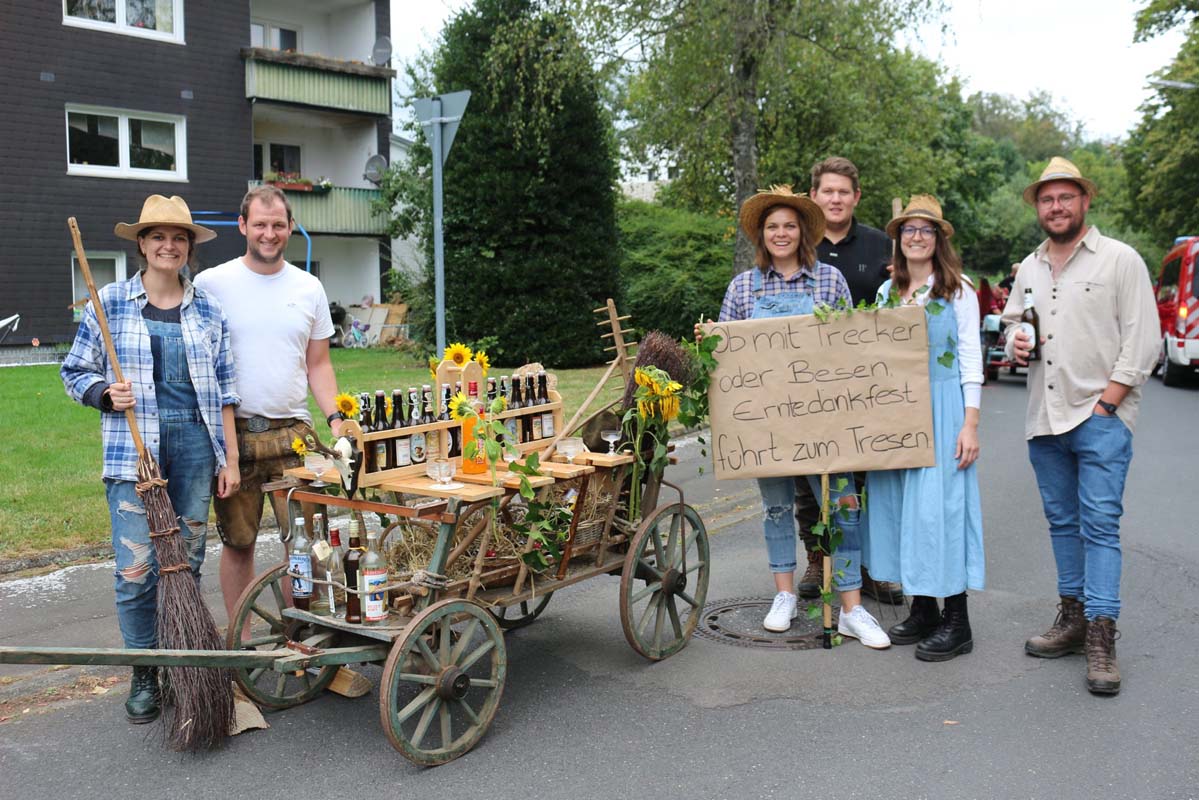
x=1067 y=635
x=882 y=591
x=142 y=705
x=784 y=609
x=953 y=637
x=1103 y=673
x=813 y=577
x=923 y=619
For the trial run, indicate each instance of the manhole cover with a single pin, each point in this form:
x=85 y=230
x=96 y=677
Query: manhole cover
x=739 y=622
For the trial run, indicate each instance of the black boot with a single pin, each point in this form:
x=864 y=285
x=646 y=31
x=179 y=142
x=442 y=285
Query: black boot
x=952 y=637
x=923 y=619
x=142 y=705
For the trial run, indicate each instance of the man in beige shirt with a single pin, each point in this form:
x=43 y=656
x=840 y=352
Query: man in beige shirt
x=1098 y=341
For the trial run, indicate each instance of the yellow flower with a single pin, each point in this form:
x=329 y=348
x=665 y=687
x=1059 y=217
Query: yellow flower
x=642 y=377
x=387 y=406
x=347 y=404
x=669 y=407
x=460 y=407
x=458 y=353
x=482 y=360
x=433 y=365
x=298 y=446
x=645 y=408
x=672 y=387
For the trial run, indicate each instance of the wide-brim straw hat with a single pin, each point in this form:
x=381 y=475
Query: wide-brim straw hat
x=811 y=217
x=159 y=210
x=1059 y=169
x=921 y=206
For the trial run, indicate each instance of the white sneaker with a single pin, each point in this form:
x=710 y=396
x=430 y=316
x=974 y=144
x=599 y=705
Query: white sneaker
x=859 y=624
x=784 y=609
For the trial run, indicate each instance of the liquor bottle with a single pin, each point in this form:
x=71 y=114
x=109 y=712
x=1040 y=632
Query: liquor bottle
x=299 y=561
x=364 y=413
x=374 y=574
x=477 y=464
x=491 y=392
x=543 y=399
x=1030 y=323
x=454 y=435
x=416 y=442
x=319 y=604
x=531 y=400
x=433 y=437
x=336 y=595
x=351 y=564
x=382 y=447
x=400 y=446
x=510 y=391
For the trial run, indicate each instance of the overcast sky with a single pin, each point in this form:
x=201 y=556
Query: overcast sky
x=1081 y=51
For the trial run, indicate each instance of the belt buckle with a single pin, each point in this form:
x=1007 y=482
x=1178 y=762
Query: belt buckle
x=258 y=424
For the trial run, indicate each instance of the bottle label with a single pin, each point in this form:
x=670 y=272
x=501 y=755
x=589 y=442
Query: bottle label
x=374 y=606
x=418 y=448
x=322 y=550
x=1027 y=328
x=510 y=425
x=381 y=455
x=301 y=564
x=433 y=444
x=547 y=424
x=403 y=452
x=537 y=433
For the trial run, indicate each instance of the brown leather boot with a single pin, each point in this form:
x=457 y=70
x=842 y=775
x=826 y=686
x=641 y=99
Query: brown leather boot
x=1103 y=673
x=882 y=591
x=1067 y=635
x=813 y=576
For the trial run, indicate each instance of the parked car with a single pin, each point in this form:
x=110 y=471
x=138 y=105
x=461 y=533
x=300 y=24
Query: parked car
x=1178 y=311
x=994 y=357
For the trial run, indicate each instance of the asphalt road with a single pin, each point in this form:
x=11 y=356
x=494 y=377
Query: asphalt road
x=583 y=716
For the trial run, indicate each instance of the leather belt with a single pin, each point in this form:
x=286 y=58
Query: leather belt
x=261 y=424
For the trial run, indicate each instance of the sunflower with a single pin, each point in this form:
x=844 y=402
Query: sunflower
x=642 y=377
x=458 y=353
x=298 y=447
x=433 y=365
x=460 y=407
x=482 y=360
x=387 y=407
x=347 y=404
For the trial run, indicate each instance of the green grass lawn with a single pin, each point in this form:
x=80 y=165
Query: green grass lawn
x=53 y=498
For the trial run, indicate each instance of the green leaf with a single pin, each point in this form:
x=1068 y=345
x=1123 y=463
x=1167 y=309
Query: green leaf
x=841 y=484
x=814 y=611
x=946 y=359
x=934 y=308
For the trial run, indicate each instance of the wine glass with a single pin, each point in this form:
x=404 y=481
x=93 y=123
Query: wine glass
x=570 y=448
x=316 y=463
x=444 y=472
x=611 y=436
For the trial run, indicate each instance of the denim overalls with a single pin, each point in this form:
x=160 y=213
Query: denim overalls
x=187 y=461
x=778 y=494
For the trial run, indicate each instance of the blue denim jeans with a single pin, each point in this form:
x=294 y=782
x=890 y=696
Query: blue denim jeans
x=187 y=462
x=778 y=521
x=1081 y=477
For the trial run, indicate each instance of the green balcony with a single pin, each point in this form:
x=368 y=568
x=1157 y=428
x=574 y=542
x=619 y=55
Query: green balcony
x=338 y=211
x=316 y=81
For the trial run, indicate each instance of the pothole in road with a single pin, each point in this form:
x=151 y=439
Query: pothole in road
x=738 y=621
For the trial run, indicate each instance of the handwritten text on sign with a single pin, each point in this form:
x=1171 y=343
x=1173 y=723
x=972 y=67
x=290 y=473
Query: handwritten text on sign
x=797 y=396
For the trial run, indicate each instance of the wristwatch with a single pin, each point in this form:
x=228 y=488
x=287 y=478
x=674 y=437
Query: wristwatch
x=1106 y=406
x=338 y=415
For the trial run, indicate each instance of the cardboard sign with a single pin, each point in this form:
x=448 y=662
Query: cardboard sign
x=798 y=396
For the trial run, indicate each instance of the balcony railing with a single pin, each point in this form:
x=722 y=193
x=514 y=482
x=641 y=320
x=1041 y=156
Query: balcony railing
x=309 y=80
x=339 y=210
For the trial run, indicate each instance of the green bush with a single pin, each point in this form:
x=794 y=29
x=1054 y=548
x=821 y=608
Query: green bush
x=674 y=265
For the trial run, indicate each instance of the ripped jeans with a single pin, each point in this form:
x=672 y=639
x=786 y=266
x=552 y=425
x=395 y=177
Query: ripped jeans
x=778 y=521
x=187 y=462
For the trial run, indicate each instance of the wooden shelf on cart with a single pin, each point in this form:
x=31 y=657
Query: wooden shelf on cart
x=562 y=470
x=507 y=480
x=385 y=631
x=468 y=492
x=608 y=460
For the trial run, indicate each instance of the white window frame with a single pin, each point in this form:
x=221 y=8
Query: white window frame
x=270 y=27
x=119 y=258
x=265 y=144
x=123 y=170
x=121 y=27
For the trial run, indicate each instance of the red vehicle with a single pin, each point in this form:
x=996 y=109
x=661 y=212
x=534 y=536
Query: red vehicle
x=1178 y=310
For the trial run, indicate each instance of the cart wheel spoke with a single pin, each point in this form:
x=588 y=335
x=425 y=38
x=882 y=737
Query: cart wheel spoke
x=281 y=684
x=256 y=674
x=413 y=677
x=659 y=551
x=486 y=683
x=445 y=646
x=673 y=611
x=447 y=731
x=659 y=618
x=251 y=644
x=416 y=705
x=688 y=599
x=672 y=541
x=645 y=567
x=464 y=640
x=649 y=589
x=479 y=652
x=649 y=608
x=468 y=711
x=275 y=622
x=422 y=727
x=306 y=678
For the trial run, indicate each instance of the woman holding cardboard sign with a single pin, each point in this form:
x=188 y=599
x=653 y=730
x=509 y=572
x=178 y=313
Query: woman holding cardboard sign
x=925 y=524
x=789 y=280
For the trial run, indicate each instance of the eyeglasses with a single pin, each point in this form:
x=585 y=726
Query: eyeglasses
x=1064 y=199
x=914 y=231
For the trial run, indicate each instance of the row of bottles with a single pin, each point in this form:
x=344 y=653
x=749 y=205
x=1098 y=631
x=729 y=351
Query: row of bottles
x=420 y=410
x=323 y=558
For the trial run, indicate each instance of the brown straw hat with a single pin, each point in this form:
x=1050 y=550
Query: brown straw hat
x=159 y=210
x=1059 y=169
x=811 y=218
x=921 y=206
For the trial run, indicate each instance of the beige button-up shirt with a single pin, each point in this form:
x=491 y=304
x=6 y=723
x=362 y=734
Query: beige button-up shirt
x=1099 y=322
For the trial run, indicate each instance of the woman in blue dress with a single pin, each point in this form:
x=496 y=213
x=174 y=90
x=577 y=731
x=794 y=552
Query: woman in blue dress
x=787 y=279
x=925 y=524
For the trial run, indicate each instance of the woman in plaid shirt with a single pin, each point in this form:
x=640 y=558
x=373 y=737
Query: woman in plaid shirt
x=173 y=346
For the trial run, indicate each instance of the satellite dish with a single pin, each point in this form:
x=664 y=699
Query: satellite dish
x=376 y=165
x=381 y=52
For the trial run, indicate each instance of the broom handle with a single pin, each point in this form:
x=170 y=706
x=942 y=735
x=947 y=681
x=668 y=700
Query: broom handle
x=827 y=639
x=130 y=416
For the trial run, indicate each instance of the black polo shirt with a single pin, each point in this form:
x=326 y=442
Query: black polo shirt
x=862 y=256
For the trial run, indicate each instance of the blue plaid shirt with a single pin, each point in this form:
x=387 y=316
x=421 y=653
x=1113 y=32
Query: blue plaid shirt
x=209 y=359
x=825 y=283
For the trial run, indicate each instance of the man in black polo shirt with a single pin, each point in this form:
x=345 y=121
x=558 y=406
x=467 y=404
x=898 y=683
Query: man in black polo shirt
x=862 y=254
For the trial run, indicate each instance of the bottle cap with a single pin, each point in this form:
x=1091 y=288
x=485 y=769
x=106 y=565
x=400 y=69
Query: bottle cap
x=298 y=521
x=335 y=537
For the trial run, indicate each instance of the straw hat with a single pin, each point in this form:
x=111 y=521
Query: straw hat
x=1059 y=169
x=921 y=206
x=159 y=210
x=811 y=218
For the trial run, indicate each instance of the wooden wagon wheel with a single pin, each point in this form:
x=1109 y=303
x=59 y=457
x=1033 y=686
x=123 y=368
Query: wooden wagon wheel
x=262 y=603
x=448 y=666
x=664 y=581
x=520 y=614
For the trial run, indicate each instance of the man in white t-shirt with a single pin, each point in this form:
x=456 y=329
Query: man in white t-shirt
x=279 y=328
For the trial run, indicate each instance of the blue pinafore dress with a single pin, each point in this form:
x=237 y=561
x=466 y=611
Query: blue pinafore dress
x=924 y=525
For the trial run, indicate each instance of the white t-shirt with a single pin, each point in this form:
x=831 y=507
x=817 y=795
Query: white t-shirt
x=271 y=320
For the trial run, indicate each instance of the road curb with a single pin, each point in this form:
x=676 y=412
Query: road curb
x=53 y=558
